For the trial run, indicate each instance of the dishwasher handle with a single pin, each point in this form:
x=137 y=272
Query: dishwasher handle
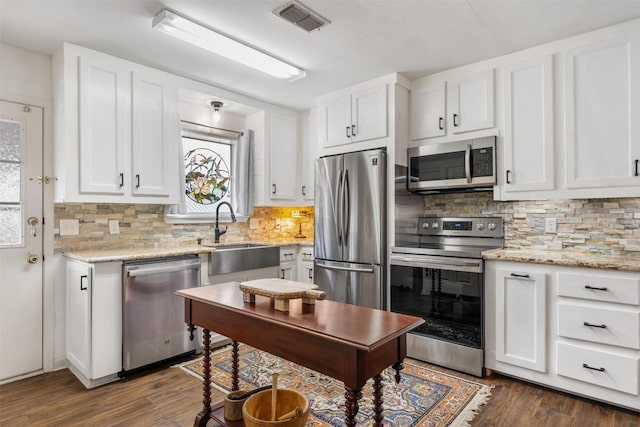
x=157 y=270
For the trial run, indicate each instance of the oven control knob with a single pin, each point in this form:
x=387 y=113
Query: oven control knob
x=480 y=226
x=492 y=226
x=434 y=225
x=425 y=225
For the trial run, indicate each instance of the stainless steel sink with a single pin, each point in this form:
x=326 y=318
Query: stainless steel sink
x=241 y=257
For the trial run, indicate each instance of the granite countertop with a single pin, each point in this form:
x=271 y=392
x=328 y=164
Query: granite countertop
x=132 y=254
x=629 y=261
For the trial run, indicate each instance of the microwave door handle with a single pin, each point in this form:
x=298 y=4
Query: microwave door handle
x=467 y=163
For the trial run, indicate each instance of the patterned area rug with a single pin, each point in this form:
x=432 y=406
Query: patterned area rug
x=424 y=397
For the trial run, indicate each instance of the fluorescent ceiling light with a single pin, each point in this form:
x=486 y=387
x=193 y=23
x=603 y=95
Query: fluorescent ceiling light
x=206 y=38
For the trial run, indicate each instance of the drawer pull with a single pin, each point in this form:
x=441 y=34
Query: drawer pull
x=591 y=325
x=593 y=288
x=584 y=365
x=526 y=276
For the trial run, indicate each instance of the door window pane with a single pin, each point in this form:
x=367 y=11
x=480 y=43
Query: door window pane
x=9 y=182
x=10 y=233
x=9 y=140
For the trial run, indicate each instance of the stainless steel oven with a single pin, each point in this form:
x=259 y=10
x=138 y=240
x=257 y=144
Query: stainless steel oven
x=439 y=276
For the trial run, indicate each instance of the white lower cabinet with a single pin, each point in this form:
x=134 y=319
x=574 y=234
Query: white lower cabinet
x=589 y=333
x=288 y=257
x=94 y=321
x=305 y=264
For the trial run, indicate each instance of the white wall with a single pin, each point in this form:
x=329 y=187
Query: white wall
x=25 y=77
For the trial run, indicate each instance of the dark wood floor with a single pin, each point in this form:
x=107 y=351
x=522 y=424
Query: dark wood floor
x=170 y=397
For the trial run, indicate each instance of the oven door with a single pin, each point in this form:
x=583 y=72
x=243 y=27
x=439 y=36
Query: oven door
x=446 y=292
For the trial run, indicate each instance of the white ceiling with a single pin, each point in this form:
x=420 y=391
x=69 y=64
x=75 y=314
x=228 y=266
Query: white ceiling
x=365 y=39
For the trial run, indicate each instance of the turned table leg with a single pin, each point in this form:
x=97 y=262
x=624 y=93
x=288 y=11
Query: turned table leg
x=352 y=396
x=377 y=400
x=235 y=371
x=205 y=415
x=398 y=366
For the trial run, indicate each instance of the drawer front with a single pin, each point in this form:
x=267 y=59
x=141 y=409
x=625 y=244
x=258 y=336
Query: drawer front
x=605 y=369
x=287 y=253
x=600 y=325
x=306 y=253
x=619 y=288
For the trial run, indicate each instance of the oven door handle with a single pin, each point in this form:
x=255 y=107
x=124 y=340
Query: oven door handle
x=437 y=263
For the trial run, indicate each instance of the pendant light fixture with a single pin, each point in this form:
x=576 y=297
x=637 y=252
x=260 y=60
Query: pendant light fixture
x=184 y=29
x=216 y=110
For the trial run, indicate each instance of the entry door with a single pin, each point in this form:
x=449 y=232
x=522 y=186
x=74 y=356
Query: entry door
x=20 y=239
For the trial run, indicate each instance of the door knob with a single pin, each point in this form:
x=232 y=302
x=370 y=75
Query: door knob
x=33 y=259
x=33 y=221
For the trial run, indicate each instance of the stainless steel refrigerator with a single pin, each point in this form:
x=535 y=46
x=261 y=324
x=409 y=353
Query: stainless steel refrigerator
x=350 y=227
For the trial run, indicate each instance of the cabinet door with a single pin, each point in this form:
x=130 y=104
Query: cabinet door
x=602 y=109
x=104 y=126
x=335 y=123
x=528 y=137
x=79 y=285
x=470 y=102
x=155 y=136
x=369 y=114
x=288 y=271
x=308 y=157
x=521 y=319
x=428 y=111
x=305 y=272
x=283 y=164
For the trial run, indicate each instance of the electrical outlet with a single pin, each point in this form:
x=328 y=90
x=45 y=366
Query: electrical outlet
x=550 y=225
x=114 y=226
x=69 y=227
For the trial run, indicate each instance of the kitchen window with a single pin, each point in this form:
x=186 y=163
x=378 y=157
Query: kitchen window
x=213 y=169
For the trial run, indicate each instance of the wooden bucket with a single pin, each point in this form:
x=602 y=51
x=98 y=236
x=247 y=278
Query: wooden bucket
x=256 y=411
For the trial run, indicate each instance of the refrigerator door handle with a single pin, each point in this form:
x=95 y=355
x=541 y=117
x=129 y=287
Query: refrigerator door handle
x=339 y=218
x=347 y=202
x=368 y=269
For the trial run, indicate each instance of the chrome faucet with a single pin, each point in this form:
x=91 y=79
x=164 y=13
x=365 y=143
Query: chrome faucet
x=217 y=230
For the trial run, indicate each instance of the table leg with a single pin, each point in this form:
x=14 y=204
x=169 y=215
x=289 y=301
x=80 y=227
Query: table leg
x=205 y=415
x=235 y=384
x=377 y=400
x=398 y=366
x=352 y=396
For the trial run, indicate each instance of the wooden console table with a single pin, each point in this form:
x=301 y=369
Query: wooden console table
x=346 y=342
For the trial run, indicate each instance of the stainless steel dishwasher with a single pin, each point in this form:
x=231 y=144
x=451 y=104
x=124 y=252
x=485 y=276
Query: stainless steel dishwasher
x=153 y=316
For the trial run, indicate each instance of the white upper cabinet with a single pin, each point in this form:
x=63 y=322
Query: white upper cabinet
x=451 y=106
x=283 y=164
x=428 y=111
x=117 y=130
x=360 y=115
x=154 y=137
x=602 y=107
x=104 y=137
x=308 y=155
x=528 y=127
x=470 y=102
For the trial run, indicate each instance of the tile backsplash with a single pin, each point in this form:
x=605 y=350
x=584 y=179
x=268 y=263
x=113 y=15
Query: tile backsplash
x=143 y=226
x=606 y=226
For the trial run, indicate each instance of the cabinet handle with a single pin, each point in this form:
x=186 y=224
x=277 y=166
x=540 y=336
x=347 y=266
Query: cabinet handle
x=440 y=123
x=282 y=270
x=593 y=288
x=591 y=325
x=121 y=180
x=637 y=167
x=304 y=190
x=455 y=119
x=353 y=130
x=273 y=189
x=584 y=365
x=348 y=128
x=137 y=180
x=508 y=173
x=85 y=286
x=310 y=273
x=525 y=276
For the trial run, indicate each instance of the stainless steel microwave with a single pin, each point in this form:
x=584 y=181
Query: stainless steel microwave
x=457 y=165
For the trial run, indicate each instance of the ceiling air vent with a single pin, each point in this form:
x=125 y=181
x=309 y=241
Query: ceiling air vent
x=301 y=16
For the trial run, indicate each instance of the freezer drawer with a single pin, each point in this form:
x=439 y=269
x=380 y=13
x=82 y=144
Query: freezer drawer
x=351 y=283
